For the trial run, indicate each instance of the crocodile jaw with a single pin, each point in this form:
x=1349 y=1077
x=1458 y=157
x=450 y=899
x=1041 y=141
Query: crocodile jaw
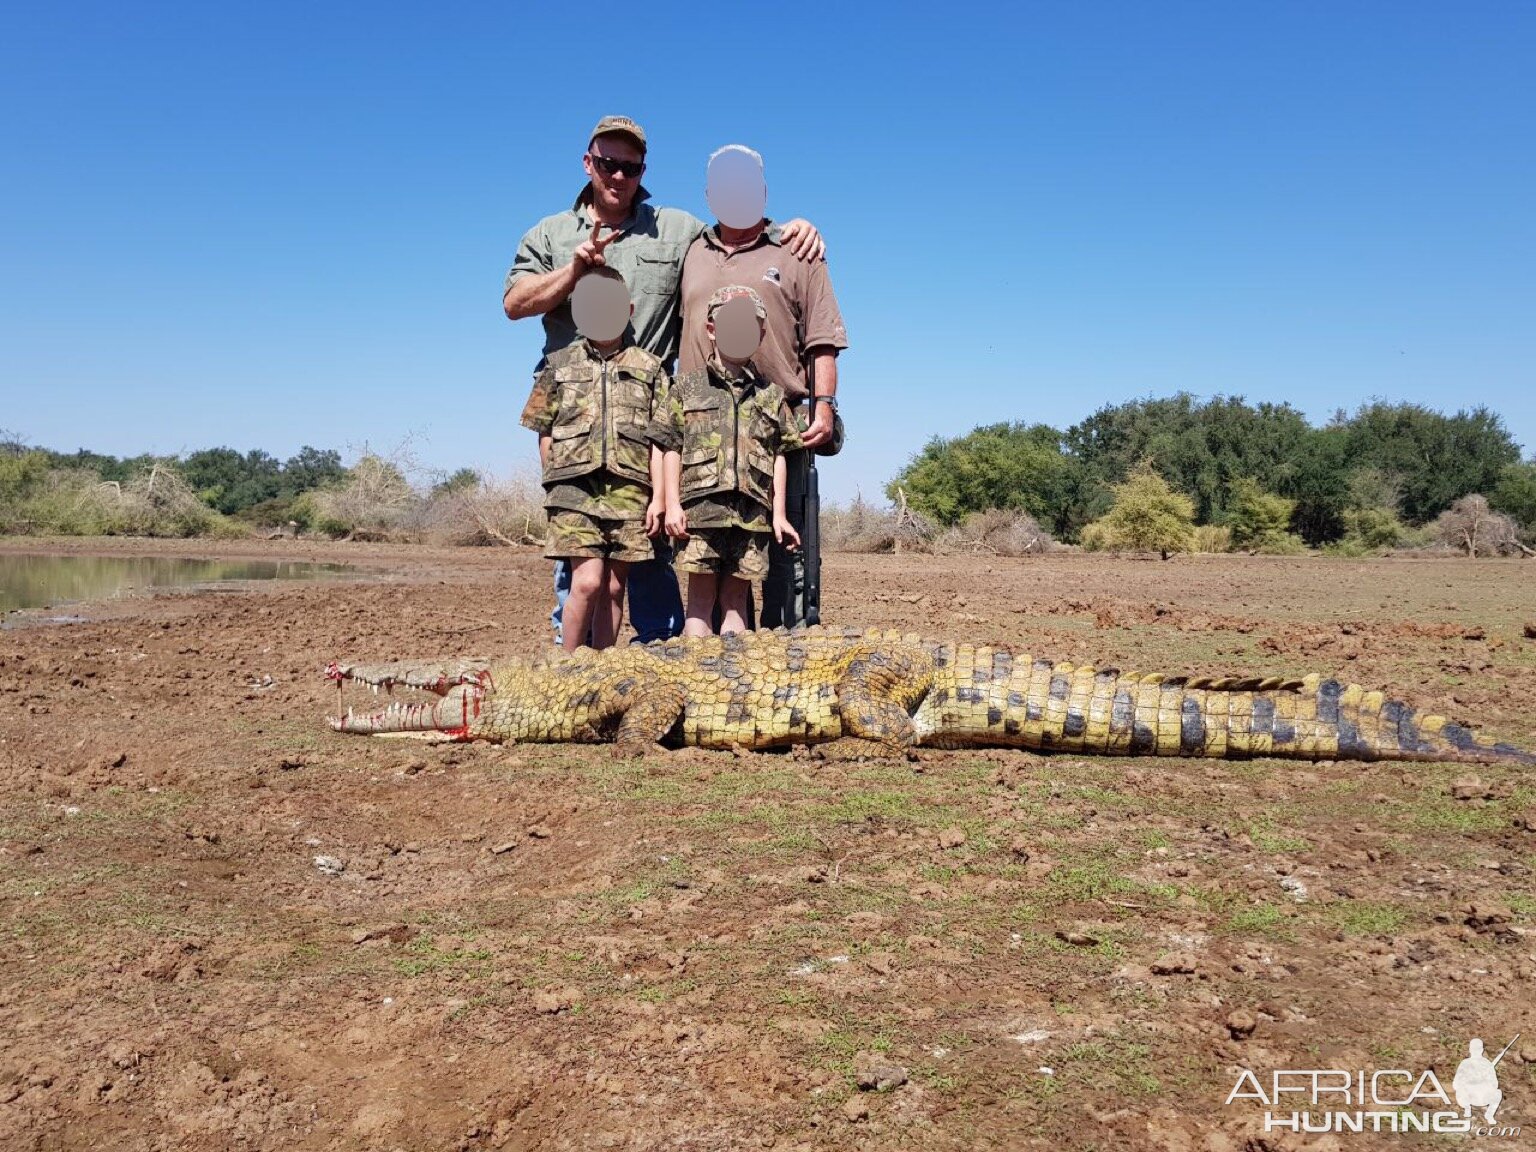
x=461 y=693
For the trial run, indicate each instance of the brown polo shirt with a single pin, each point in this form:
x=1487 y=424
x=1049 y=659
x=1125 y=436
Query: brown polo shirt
x=802 y=311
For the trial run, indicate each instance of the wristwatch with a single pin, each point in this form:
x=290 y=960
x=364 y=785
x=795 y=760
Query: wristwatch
x=829 y=401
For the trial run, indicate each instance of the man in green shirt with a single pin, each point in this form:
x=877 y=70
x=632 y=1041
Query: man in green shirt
x=612 y=222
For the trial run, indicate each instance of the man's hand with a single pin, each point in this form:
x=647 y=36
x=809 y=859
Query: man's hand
x=801 y=238
x=589 y=253
x=784 y=532
x=655 y=516
x=676 y=522
x=819 y=431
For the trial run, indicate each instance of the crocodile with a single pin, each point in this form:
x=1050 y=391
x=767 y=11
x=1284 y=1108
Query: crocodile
x=884 y=693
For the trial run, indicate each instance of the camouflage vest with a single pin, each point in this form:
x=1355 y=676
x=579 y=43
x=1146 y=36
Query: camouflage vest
x=730 y=435
x=604 y=414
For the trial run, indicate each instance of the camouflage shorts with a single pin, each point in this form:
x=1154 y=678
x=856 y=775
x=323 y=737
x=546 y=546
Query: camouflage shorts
x=575 y=534
x=726 y=552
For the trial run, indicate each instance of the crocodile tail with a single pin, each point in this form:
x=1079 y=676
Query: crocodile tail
x=1349 y=722
x=1307 y=719
x=984 y=696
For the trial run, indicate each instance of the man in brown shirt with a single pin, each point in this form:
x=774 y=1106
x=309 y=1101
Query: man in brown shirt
x=799 y=351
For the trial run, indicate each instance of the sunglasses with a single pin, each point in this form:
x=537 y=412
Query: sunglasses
x=611 y=167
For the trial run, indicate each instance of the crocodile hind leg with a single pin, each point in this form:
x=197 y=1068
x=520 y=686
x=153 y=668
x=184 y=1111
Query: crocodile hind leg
x=649 y=717
x=875 y=696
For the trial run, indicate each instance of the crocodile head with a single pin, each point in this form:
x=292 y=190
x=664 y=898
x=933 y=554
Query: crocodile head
x=460 y=688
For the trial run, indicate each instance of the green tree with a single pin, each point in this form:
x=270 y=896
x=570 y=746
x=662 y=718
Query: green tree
x=1259 y=520
x=1317 y=478
x=22 y=474
x=1147 y=515
x=1438 y=459
x=1011 y=466
x=229 y=482
x=312 y=468
x=1370 y=511
x=1201 y=447
x=1515 y=496
x=464 y=480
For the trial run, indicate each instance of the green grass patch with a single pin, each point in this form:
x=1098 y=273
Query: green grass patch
x=1111 y=1066
x=423 y=955
x=1102 y=880
x=1437 y=812
x=1267 y=836
x=1366 y=918
x=1523 y=905
x=1258 y=919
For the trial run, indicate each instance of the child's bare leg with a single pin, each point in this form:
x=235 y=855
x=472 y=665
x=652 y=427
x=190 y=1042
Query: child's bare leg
x=733 y=604
x=609 y=612
x=586 y=589
x=701 y=603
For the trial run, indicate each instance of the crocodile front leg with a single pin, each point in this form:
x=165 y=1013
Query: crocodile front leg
x=648 y=716
x=879 y=688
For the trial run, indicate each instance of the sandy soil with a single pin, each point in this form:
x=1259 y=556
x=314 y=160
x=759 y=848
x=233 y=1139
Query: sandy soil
x=225 y=926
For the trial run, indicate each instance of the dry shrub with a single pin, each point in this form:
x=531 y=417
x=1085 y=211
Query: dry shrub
x=1471 y=526
x=77 y=502
x=493 y=512
x=995 y=532
x=376 y=502
x=154 y=502
x=60 y=502
x=158 y=499
x=1212 y=538
x=865 y=527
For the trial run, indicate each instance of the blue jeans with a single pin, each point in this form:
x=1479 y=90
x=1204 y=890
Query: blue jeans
x=655 y=605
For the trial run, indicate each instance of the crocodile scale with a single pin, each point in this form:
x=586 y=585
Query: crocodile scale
x=884 y=693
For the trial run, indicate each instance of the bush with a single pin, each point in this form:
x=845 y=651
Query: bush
x=1515 y=496
x=65 y=502
x=997 y=532
x=158 y=502
x=1147 y=515
x=154 y=501
x=374 y=502
x=1260 y=520
x=1372 y=529
x=864 y=527
x=21 y=474
x=1285 y=544
x=1211 y=538
x=1470 y=525
x=1096 y=537
x=485 y=512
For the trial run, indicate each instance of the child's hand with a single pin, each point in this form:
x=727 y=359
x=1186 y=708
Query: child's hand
x=784 y=531
x=655 y=513
x=676 y=522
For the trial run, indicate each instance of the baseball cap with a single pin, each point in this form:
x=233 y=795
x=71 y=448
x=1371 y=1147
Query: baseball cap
x=731 y=292
x=619 y=124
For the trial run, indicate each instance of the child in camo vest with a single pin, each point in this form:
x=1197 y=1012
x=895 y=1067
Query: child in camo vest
x=725 y=487
x=599 y=408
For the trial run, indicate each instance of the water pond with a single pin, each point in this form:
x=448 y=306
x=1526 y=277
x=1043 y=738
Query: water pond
x=33 y=581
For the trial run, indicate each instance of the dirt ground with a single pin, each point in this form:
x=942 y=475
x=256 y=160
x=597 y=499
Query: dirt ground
x=226 y=927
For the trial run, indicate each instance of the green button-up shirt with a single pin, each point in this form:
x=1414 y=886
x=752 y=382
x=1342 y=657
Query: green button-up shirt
x=648 y=253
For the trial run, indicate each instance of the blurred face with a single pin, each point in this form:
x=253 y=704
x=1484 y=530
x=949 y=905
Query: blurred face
x=601 y=307
x=735 y=330
x=614 y=164
x=734 y=186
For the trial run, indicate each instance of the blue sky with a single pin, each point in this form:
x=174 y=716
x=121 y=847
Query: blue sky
x=273 y=225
